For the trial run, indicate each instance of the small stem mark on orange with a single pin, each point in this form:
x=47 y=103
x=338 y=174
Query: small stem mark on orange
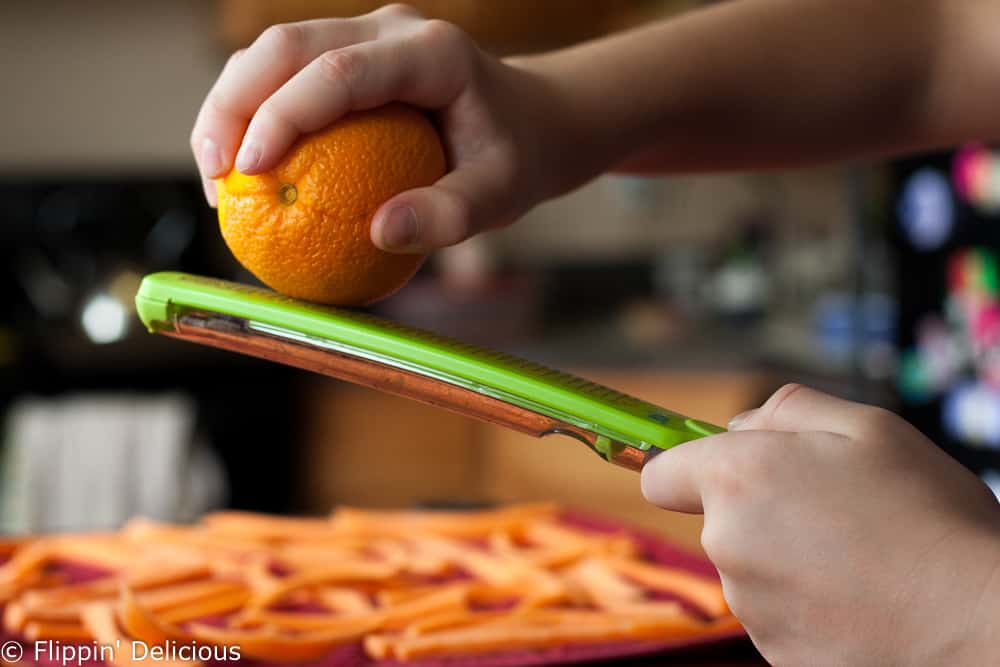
x=287 y=194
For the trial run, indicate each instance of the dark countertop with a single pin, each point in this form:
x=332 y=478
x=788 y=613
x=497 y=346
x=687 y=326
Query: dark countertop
x=737 y=653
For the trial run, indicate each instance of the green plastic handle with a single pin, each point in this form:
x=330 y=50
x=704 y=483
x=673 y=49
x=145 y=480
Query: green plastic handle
x=604 y=411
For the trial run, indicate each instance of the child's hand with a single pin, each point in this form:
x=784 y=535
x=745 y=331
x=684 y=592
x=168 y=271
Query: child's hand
x=842 y=535
x=496 y=120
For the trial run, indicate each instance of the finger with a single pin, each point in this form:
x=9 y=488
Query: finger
x=464 y=202
x=211 y=194
x=207 y=155
x=685 y=477
x=250 y=78
x=797 y=408
x=361 y=76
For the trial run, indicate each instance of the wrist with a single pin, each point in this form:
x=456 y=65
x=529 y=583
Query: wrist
x=980 y=643
x=949 y=613
x=574 y=142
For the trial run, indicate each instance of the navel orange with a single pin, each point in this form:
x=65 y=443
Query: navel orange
x=303 y=227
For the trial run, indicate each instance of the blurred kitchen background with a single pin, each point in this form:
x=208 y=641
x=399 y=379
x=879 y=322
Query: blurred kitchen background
x=877 y=282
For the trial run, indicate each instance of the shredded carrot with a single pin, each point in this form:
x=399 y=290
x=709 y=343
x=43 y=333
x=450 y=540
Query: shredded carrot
x=704 y=593
x=140 y=623
x=36 y=631
x=9 y=544
x=552 y=534
x=448 y=598
x=100 y=621
x=450 y=524
x=524 y=635
x=451 y=619
x=356 y=571
x=269 y=644
x=221 y=603
x=261 y=527
x=602 y=586
x=345 y=600
x=404 y=584
x=293 y=622
x=166 y=598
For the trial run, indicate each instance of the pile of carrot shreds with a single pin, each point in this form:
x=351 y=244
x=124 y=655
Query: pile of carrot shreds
x=408 y=584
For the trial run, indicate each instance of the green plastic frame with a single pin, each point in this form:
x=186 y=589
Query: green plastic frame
x=164 y=296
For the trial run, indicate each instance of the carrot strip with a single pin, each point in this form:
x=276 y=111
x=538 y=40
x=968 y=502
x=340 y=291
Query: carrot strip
x=269 y=528
x=268 y=644
x=451 y=524
x=108 y=553
x=14 y=616
x=379 y=647
x=477 y=562
x=545 y=557
x=282 y=620
x=449 y=598
x=36 y=631
x=63 y=605
x=393 y=596
x=10 y=544
x=222 y=603
x=346 y=572
x=704 y=593
x=139 y=623
x=551 y=534
x=9 y=591
x=106 y=587
x=602 y=585
x=100 y=621
x=515 y=636
x=163 y=599
x=26 y=563
x=451 y=619
x=345 y=600
x=298 y=557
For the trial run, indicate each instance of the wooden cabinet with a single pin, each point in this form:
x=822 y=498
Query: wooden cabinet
x=371 y=449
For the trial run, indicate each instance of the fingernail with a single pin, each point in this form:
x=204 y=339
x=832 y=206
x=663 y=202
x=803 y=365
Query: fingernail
x=737 y=422
x=400 y=228
x=249 y=156
x=210 y=192
x=211 y=158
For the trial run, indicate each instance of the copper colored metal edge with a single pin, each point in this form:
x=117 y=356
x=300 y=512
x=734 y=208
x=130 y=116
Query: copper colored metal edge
x=396 y=381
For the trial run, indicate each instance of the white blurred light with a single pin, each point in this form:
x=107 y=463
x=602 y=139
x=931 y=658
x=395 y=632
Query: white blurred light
x=104 y=319
x=971 y=413
x=992 y=479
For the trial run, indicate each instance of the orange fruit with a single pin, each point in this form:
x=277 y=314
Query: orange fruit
x=303 y=227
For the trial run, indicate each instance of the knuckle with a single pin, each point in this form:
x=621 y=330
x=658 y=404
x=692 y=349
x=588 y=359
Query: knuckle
x=779 y=400
x=399 y=10
x=732 y=477
x=283 y=41
x=234 y=56
x=271 y=115
x=720 y=547
x=875 y=424
x=786 y=390
x=341 y=66
x=443 y=34
x=510 y=167
x=460 y=224
x=219 y=104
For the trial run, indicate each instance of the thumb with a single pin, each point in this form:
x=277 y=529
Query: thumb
x=471 y=199
x=685 y=478
x=673 y=479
